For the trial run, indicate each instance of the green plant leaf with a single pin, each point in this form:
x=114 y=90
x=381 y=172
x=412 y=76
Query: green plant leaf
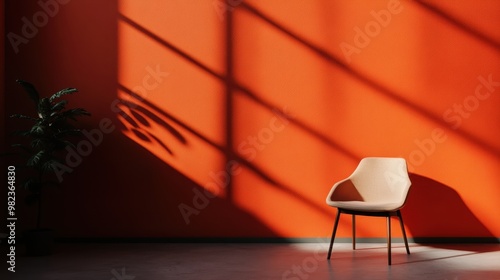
x=52 y=165
x=67 y=132
x=73 y=113
x=58 y=106
x=44 y=108
x=37 y=130
x=22 y=132
x=20 y=116
x=69 y=144
x=31 y=90
x=33 y=185
x=49 y=165
x=62 y=92
x=22 y=147
x=40 y=143
x=37 y=158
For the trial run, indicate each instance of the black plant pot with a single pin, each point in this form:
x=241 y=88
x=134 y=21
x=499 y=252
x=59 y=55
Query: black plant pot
x=39 y=242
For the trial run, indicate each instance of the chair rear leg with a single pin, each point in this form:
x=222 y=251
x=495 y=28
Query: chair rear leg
x=403 y=230
x=333 y=234
x=354 y=232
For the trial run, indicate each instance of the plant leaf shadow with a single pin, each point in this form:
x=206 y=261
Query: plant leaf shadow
x=157 y=117
x=141 y=118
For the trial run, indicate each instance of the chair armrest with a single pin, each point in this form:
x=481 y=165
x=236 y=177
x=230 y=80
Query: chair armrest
x=344 y=190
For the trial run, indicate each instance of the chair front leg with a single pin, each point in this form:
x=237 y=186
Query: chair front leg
x=389 y=239
x=333 y=234
x=400 y=217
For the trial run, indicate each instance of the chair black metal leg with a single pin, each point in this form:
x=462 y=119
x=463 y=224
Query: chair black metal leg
x=354 y=232
x=389 y=239
x=404 y=232
x=333 y=234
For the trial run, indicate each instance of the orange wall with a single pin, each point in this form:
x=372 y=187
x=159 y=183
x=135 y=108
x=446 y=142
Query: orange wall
x=234 y=119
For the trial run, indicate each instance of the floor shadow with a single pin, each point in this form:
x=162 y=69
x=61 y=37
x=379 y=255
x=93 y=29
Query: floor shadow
x=435 y=212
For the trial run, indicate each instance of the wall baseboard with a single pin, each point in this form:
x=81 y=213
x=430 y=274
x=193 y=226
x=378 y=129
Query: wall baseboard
x=420 y=240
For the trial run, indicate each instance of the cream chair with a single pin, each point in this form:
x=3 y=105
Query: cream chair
x=378 y=187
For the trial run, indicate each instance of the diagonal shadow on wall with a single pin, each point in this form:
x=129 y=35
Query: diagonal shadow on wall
x=469 y=30
x=381 y=88
x=157 y=115
x=240 y=88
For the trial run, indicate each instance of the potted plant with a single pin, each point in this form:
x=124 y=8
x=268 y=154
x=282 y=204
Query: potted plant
x=43 y=148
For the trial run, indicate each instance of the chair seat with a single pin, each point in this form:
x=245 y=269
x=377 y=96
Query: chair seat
x=366 y=206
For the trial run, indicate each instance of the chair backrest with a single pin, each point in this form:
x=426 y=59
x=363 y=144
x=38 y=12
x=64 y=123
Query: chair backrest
x=382 y=179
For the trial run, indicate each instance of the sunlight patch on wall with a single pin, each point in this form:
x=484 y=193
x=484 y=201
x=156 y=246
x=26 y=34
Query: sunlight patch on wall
x=170 y=95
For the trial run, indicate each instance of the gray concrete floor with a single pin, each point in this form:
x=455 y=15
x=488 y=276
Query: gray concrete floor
x=296 y=261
